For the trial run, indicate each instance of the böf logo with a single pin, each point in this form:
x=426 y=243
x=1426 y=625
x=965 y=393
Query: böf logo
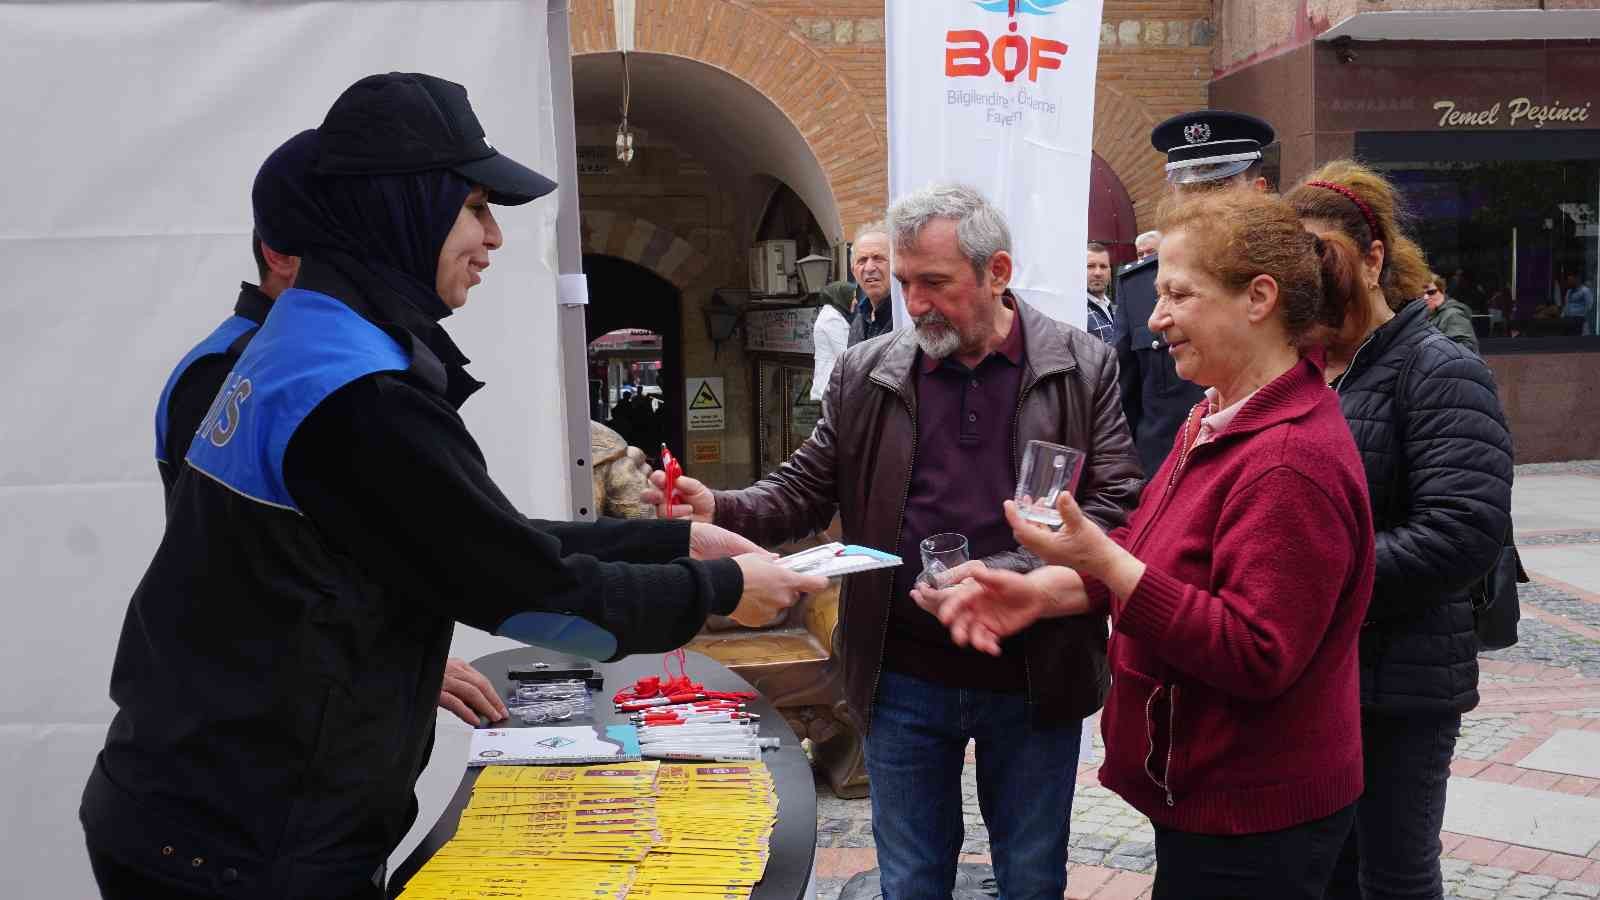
x=971 y=53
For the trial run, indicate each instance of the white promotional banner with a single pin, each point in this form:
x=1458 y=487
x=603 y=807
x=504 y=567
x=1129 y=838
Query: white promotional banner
x=134 y=130
x=999 y=94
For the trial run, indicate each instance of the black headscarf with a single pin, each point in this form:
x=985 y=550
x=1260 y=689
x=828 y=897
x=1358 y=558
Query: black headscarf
x=380 y=233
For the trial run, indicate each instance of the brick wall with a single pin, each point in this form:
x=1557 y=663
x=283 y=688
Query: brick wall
x=1155 y=62
x=822 y=62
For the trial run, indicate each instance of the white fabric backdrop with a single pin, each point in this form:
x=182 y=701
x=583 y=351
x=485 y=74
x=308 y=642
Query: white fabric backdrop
x=133 y=133
x=1025 y=143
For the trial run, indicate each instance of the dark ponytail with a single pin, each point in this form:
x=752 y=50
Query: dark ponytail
x=1342 y=274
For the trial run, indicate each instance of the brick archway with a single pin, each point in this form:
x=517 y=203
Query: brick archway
x=776 y=62
x=1122 y=138
x=645 y=243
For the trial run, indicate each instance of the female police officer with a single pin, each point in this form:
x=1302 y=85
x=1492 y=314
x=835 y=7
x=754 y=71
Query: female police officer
x=280 y=660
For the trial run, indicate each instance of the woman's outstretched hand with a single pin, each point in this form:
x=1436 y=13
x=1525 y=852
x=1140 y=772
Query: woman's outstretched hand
x=981 y=606
x=1078 y=544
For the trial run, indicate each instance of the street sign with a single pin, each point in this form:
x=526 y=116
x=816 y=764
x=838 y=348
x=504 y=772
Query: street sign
x=707 y=411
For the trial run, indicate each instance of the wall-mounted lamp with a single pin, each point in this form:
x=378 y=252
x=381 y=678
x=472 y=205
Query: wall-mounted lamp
x=1341 y=49
x=722 y=320
x=813 y=272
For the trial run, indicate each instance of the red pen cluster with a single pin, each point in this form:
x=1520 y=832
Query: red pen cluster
x=662 y=691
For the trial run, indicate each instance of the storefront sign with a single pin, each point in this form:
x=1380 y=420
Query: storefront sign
x=704 y=452
x=707 y=406
x=780 y=330
x=1518 y=112
x=999 y=94
x=1429 y=86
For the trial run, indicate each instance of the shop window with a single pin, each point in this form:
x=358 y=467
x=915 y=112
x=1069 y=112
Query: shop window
x=1516 y=239
x=786 y=414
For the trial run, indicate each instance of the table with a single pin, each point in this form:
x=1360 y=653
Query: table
x=794 y=837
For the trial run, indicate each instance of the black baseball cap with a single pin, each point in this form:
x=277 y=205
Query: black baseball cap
x=409 y=122
x=1209 y=144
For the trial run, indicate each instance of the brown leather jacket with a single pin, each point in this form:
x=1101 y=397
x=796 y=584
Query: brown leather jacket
x=859 y=459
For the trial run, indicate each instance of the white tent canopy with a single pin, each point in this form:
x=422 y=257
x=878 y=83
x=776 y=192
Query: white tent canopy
x=133 y=133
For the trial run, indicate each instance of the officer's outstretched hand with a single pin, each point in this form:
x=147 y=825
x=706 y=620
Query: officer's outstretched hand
x=694 y=498
x=769 y=589
x=712 y=542
x=468 y=694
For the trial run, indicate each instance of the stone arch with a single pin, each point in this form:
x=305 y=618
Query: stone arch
x=1122 y=138
x=731 y=35
x=645 y=243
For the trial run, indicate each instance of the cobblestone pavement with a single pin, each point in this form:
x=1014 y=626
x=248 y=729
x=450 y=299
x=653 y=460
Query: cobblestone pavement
x=1548 y=683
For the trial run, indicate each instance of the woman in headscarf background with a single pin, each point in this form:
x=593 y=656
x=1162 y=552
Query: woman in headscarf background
x=1438 y=462
x=279 y=662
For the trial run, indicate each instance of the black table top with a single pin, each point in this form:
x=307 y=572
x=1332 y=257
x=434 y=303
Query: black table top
x=794 y=837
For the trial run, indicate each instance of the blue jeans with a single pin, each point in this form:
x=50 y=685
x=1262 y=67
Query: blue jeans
x=1026 y=776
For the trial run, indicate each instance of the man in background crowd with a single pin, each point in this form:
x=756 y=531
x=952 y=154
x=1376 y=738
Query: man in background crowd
x=870 y=265
x=1579 y=305
x=1146 y=245
x=1102 y=317
x=854 y=309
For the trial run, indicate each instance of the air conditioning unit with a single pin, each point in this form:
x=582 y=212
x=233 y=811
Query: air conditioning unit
x=771 y=268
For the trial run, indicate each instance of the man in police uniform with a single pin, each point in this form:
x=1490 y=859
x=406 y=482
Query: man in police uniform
x=1206 y=150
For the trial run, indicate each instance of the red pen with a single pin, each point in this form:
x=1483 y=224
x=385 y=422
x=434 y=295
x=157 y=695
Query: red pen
x=632 y=705
x=673 y=471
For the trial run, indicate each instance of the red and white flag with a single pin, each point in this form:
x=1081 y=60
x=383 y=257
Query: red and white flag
x=999 y=94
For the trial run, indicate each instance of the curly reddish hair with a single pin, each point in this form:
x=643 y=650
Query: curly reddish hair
x=1242 y=234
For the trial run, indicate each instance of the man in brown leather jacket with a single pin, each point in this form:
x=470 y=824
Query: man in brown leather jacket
x=921 y=433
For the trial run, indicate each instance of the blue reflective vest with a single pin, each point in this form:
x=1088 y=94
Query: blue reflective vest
x=275 y=704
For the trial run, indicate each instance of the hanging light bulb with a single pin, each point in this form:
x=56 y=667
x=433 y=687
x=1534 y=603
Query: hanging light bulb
x=624 y=133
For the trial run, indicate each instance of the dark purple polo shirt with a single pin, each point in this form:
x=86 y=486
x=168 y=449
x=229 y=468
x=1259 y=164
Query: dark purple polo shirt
x=961 y=476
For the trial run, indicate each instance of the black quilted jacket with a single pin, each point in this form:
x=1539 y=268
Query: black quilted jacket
x=1439 y=471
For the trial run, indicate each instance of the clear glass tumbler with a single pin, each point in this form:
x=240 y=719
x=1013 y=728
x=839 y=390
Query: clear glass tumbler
x=1047 y=470
x=941 y=553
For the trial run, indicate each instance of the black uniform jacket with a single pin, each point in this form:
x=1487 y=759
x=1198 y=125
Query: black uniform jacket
x=1155 y=400
x=280 y=663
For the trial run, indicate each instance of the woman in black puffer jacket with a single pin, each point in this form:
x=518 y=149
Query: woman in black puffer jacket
x=1428 y=422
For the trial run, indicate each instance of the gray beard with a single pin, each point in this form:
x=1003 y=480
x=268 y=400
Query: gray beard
x=936 y=336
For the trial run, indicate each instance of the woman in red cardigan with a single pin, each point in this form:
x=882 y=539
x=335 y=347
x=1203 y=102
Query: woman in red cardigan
x=1237 y=589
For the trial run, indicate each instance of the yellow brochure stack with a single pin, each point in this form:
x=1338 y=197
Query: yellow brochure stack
x=697 y=831
x=716 y=828
x=547 y=832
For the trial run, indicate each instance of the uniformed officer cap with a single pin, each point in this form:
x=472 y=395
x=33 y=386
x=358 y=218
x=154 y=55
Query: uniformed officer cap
x=1210 y=144
x=406 y=122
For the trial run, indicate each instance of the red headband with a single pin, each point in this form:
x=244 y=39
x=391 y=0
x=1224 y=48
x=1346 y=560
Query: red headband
x=1366 y=211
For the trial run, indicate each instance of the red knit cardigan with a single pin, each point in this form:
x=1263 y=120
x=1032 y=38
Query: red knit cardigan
x=1234 y=699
